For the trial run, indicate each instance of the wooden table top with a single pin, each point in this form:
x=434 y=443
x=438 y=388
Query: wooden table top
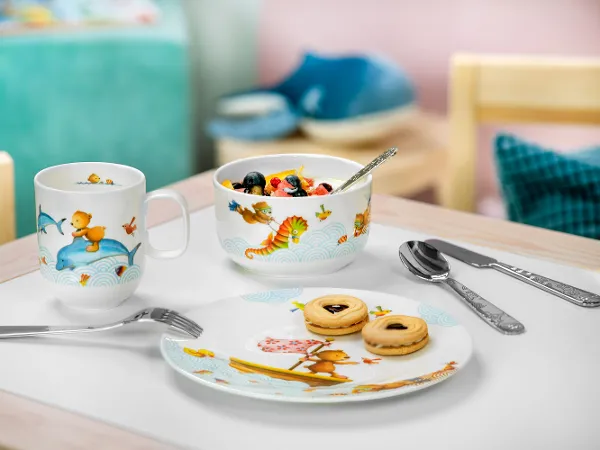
x=25 y=423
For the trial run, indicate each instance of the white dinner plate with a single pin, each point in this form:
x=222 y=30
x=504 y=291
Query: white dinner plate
x=253 y=344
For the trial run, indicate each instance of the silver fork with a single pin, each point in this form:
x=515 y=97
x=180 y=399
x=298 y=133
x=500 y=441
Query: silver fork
x=162 y=315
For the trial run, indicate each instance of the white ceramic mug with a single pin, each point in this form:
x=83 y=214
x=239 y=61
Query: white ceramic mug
x=92 y=234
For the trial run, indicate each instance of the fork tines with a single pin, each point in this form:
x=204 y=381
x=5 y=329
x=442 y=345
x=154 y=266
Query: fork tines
x=176 y=320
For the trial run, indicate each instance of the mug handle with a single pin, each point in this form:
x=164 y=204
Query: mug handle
x=180 y=200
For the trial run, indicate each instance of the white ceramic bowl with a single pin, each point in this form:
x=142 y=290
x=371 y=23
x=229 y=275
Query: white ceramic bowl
x=306 y=240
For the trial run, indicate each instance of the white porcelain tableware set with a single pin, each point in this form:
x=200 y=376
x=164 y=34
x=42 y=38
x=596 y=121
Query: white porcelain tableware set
x=93 y=240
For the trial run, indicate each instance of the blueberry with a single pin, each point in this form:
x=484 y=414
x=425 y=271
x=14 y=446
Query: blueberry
x=293 y=180
x=237 y=185
x=300 y=193
x=254 y=179
x=327 y=186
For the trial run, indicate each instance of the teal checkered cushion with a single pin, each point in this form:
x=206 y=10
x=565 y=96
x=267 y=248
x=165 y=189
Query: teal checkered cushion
x=547 y=189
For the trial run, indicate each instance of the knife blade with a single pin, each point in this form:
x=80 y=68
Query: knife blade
x=462 y=254
x=565 y=291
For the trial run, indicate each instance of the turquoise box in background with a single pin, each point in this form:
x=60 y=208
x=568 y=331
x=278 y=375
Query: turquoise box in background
x=118 y=95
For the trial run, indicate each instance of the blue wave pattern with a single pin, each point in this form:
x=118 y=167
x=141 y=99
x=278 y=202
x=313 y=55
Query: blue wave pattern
x=435 y=316
x=314 y=245
x=102 y=273
x=278 y=296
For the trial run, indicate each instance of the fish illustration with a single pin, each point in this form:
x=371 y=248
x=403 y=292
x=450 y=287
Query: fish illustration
x=43 y=260
x=323 y=214
x=108 y=181
x=379 y=312
x=44 y=220
x=130 y=227
x=120 y=270
x=220 y=381
x=297 y=305
x=200 y=353
x=343 y=239
x=75 y=254
x=93 y=178
x=203 y=372
x=84 y=279
x=371 y=360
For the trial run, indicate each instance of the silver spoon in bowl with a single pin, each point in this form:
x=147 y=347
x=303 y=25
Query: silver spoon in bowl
x=366 y=170
x=427 y=263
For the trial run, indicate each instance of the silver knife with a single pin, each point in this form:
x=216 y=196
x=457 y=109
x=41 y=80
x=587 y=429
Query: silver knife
x=572 y=294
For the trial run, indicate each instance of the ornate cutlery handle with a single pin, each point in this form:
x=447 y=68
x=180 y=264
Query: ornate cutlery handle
x=567 y=292
x=366 y=169
x=487 y=311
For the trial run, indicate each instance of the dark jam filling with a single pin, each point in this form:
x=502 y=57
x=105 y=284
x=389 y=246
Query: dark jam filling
x=396 y=326
x=333 y=309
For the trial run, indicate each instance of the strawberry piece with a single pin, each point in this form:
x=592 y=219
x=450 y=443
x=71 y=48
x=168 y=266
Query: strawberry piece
x=279 y=192
x=275 y=182
x=283 y=185
x=320 y=190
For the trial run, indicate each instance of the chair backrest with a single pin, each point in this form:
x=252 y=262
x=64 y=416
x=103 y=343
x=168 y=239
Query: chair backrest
x=511 y=89
x=7 y=199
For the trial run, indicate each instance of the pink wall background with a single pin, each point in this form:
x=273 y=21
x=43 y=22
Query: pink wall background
x=422 y=35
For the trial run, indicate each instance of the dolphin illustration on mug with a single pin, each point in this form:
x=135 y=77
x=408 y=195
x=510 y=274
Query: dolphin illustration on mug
x=44 y=220
x=75 y=254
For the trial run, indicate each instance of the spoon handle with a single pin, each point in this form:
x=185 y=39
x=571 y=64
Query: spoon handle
x=487 y=311
x=365 y=170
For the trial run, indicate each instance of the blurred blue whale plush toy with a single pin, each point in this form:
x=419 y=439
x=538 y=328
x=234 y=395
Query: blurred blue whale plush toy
x=338 y=99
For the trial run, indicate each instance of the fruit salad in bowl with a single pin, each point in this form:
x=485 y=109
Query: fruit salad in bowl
x=276 y=214
x=290 y=183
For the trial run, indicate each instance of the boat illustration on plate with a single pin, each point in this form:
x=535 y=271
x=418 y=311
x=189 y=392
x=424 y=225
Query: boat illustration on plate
x=323 y=371
x=311 y=379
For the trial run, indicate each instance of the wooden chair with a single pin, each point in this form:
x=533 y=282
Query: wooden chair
x=7 y=199
x=511 y=89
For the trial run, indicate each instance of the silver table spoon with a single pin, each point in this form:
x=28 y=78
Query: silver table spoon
x=366 y=170
x=427 y=263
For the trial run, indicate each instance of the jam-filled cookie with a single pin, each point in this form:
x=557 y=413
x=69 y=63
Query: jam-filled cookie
x=395 y=335
x=335 y=315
